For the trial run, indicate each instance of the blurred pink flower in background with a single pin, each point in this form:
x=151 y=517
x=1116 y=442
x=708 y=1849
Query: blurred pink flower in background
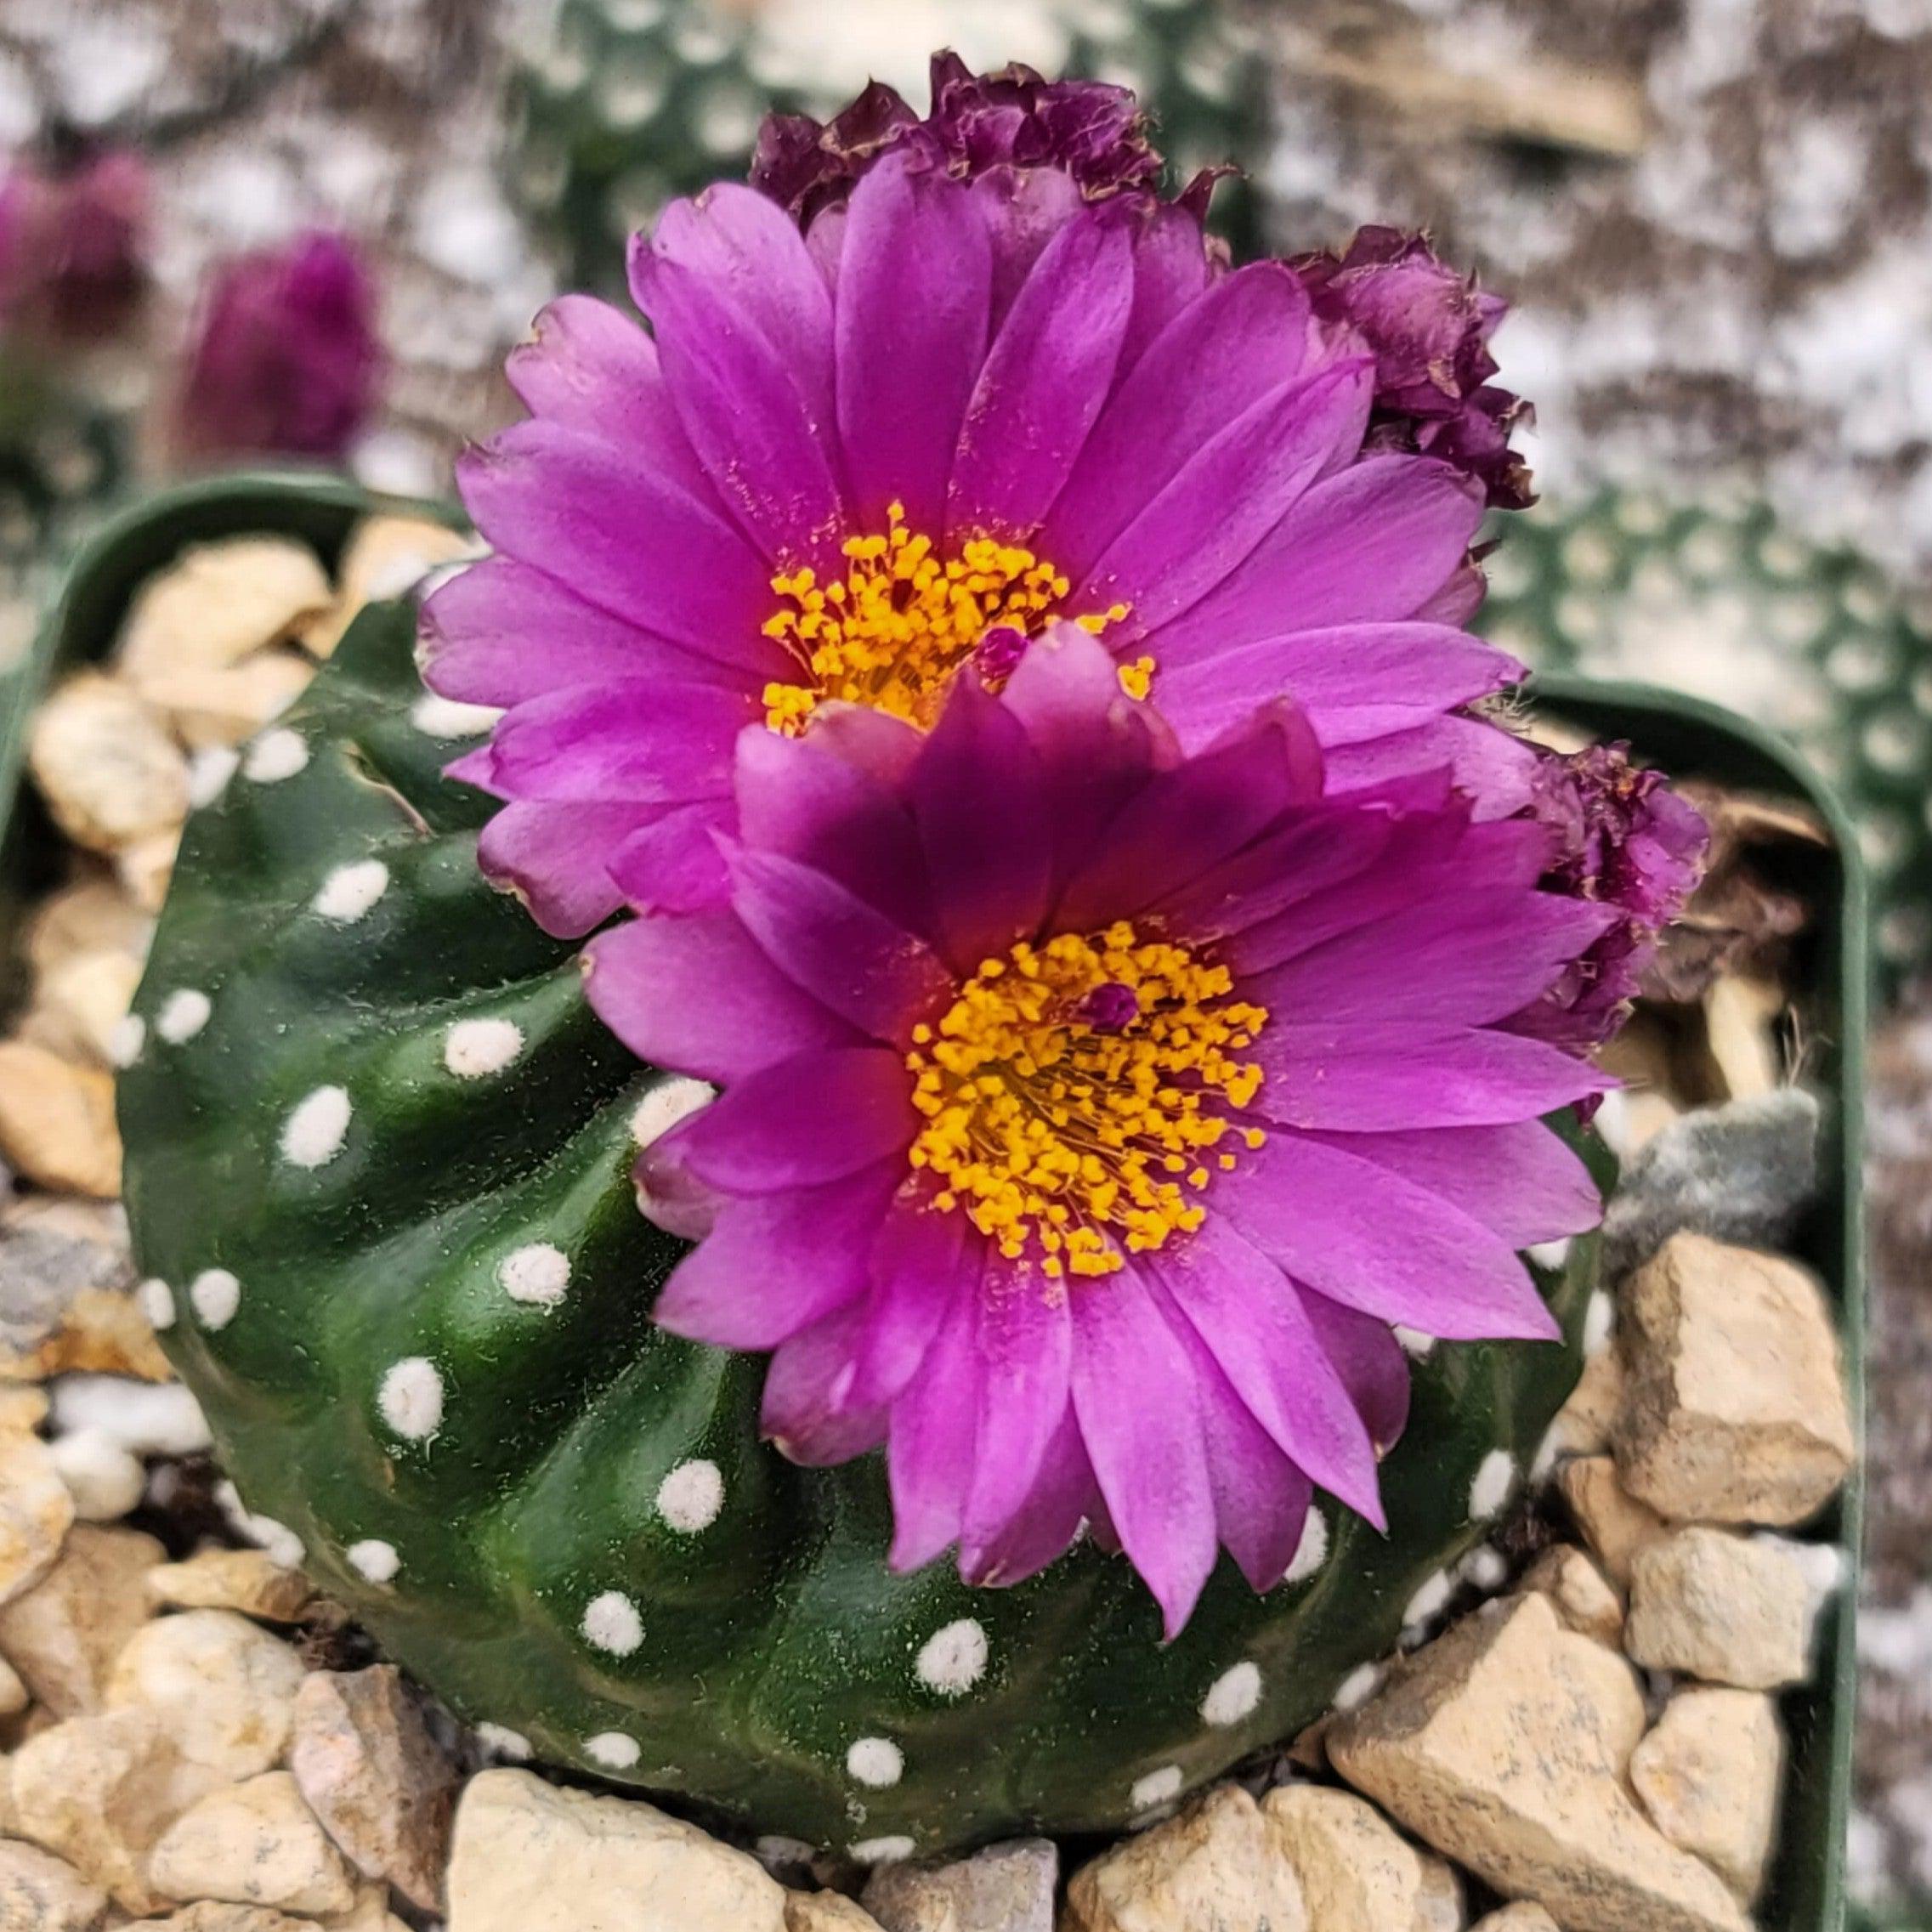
x=73 y=247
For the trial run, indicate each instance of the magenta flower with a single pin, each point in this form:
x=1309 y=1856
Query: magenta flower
x=73 y=243
x=286 y=360
x=1092 y=1108
x=995 y=382
x=1625 y=840
x=1428 y=329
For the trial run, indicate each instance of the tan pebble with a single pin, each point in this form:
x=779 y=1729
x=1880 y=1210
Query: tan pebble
x=826 y=1912
x=90 y=915
x=63 y=1633
x=254 y=1844
x=1736 y=1410
x=105 y=764
x=249 y=1580
x=1358 y=1873
x=22 y=1409
x=102 y=1332
x=210 y=1915
x=80 y=1001
x=1519 y=1917
x=225 y=1687
x=1615 y=1525
x=41 y=1893
x=387 y=558
x=1583 y=1424
x=13 y=1695
x=1710 y=1774
x=1583 y=1597
x=1730 y=1609
x=220 y=602
x=57 y=1122
x=1011 y=1886
x=35 y=1513
x=1214 y=1866
x=146 y=868
x=1741 y=1016
x=1504 y=1747
x=210 y=707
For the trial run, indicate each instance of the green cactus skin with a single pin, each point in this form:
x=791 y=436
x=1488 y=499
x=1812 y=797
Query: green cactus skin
x=485 y=1478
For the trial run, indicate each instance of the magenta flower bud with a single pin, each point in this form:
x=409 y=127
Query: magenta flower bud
x=286 y=360
x=73 y=244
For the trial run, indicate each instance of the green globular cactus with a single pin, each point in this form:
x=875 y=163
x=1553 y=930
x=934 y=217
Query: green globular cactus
x=622 y=105
x=1720 y=601
x=378 y=1169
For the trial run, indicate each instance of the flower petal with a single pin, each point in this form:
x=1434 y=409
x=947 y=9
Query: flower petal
x=556 y=858
x=1026 y=1347
x=1065 y=1499
x=929 y=1453
x=1370 y=1361
x=1170 y=270
x=644 y=740
x=673 y=865
x=922 y=1261
x=805 y=1413
x=1493 y=766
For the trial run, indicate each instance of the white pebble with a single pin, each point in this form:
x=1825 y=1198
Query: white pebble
x=313 y=1134
x=182 y=1015
x=215 y=1294
x=474 y=1048
x=1495 y=1477
x=351 y=890
x=690 y=1498
x=126 y=1039
x=448 y=717
x=890 y=1851
x=611 y=1622
x=1312 y=1551
x=1430 y=1599
x=1600 y=1324
x=953 y=1659
x=613 y=1750
x=156 y=1298
x=1233 y=1696
x=1415 y=1345
x=410 y=1398
x=146 y=1418
x=667 y=1104
x=276 y=756
x=104 y=1480
x=208 y=772
x=539 y=1274
x=1157 y=1787
x=503 y=1742
x=373 y=1560
x=1358 y=1686
x=875 y=1762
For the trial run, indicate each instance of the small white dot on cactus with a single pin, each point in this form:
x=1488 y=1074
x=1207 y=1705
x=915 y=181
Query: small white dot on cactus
x=691 y=1496
x=351 y=890
x=954 y=1659
x=502 y=1742
x=890 y=1851
x=182 y=1015
x=667 y=1103
x=611 y=1622
x=276 y=756
x=281 y=1543
x=1484 y=1567
x=374 y=1561
x=128 y=1036
x=448 y=717
x=1358 y=1686
x=1312 y=1551
x=410 y=1398
x=1600 y=1324
x=1430 y=1599
x=1233 y=1696
x=1550 y=1254
x=474 y=1048
x=1415 y=1343
x=1157 y=1787
x=875 y=1762
x=208 y=772
x=214 y=1295
x=313 y=1134
x=157 y=1302
x=612 y=1750
x=539 y=1274
x=1495 y=1477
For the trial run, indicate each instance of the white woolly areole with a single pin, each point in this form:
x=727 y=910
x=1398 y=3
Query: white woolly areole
x=1358 y=1686
x=156 y=1298
x=503 y=1742
x=1312 y=1551
x=473 y=1049
x=612 y=1750
x=953 y=1659
x=1233 y=1696
x=373 y=1560
x=667 y=1103
x=1430 y=1599
x=690 y=1498
x=1157 y=1787
x=1600 y=1324
x=313 y=1134
x=125 y=1040
x=450 y=717
x=276 y=756
x=214 y=1295
x=1495 y=1477
x=182 y=1015
x=281 y=1543
x=1484 y=1567
x=877 y=1762
x=351 y=890
x=1414 y=1344
x=612 y=1624
x=410 y=1398
x=891 y=1850
x=538 y=1273
x=208 y=772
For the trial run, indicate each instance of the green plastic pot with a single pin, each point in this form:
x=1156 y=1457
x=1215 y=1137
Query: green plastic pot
x=1684 y=736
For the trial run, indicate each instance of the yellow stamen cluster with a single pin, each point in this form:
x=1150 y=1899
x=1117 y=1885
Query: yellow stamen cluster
x=1069 y=1137
x=892 y=630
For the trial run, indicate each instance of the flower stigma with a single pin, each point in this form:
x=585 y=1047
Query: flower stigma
x=1070 y=1096
x=891 y=631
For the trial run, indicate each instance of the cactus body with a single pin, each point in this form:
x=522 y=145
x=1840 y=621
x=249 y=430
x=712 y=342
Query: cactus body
x=386 y=1181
